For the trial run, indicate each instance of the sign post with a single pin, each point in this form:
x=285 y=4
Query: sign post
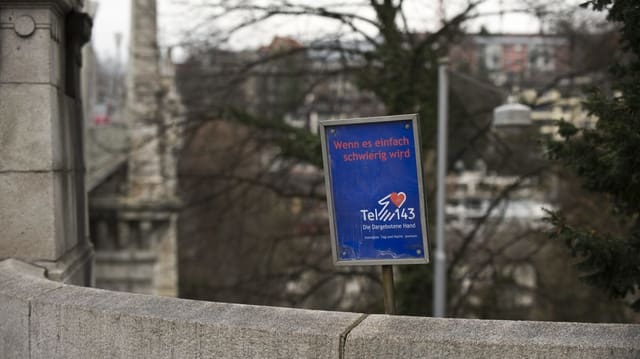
x=375 y=195
x=387 y=288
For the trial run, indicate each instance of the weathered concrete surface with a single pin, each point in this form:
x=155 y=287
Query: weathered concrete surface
x=76 y=322
x=30 y=58
x=29 y=128
x=28 y=216
x=70 y=268
x=44 y=319
x=382 y=336
x=19 y=282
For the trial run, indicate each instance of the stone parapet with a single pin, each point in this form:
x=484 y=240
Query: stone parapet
x=44 y=319
x=415 y=337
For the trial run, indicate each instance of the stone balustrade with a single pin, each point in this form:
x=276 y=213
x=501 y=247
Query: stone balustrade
x=40 y=318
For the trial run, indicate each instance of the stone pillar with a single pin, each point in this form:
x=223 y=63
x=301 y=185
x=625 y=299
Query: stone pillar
x=143 y=94
x=154 y=142
x=42 y=193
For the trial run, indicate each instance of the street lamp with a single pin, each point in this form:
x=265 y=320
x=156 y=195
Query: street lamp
x=511 y=114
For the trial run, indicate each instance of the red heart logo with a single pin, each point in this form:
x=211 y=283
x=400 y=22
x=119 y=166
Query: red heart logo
x=398 y=198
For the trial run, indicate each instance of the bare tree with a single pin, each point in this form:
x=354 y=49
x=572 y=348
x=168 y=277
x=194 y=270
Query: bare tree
x=250 y=174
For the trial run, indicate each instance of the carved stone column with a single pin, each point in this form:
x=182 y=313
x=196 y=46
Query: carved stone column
x=42 y=193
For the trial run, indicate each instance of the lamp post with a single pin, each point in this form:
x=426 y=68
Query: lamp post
x=440 y=282
x=507 y=115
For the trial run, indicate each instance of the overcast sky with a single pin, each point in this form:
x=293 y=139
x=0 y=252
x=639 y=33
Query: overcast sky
x=175 y=18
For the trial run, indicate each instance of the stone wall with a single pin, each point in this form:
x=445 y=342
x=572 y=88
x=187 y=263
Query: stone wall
x=44 y=319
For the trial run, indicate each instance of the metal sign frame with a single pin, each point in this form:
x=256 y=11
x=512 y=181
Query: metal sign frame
x=325 y=126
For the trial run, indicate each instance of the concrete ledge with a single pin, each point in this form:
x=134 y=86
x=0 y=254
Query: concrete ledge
x=413 y=337
x=44 y=319
x=19 y=283
x=66 y=321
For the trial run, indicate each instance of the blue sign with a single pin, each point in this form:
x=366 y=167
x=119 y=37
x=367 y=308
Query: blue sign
x=374 y=186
